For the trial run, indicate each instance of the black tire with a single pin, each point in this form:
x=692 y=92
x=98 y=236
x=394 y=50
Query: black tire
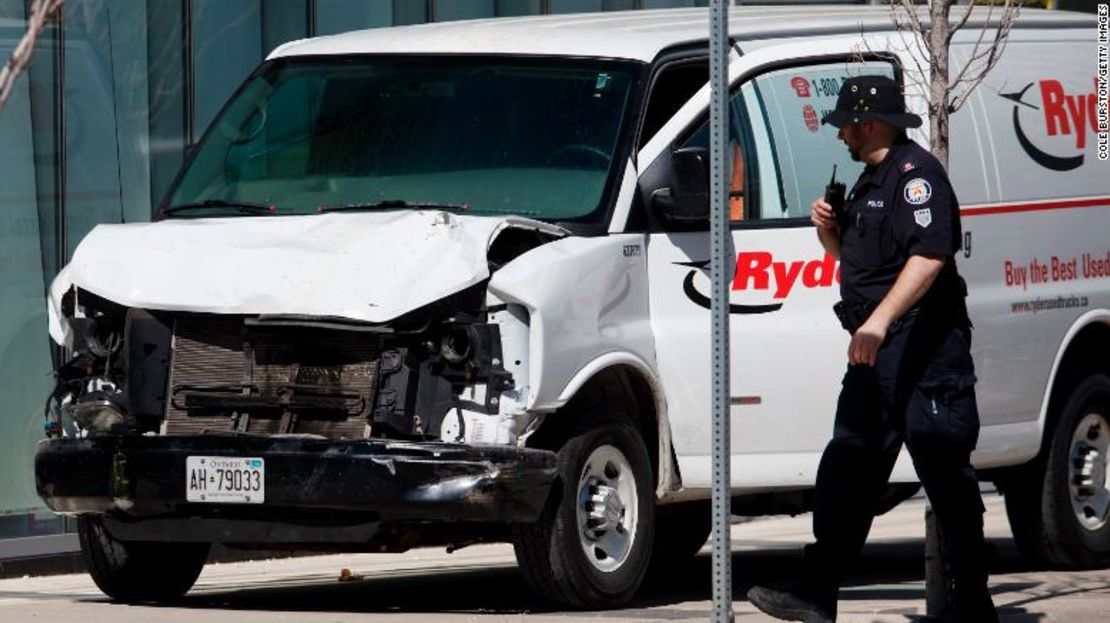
x=133 y=571
x=551 y=553
x=1046 y=526
x=681 y=531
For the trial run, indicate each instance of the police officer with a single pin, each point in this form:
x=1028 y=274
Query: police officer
x=910 y=375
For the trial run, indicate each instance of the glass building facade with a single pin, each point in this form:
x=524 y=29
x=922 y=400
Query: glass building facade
x=94 y=132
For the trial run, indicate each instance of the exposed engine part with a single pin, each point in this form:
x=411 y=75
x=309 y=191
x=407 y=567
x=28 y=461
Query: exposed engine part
x=226 y=376
x=97 y=336
x=458 y=345
x=87 y=398
x=184 y=374
x=512 y=243
x=100 y=409
x=464 y=374
x=147 y=352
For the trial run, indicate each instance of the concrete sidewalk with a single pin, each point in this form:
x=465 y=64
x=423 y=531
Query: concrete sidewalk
x=482 y=584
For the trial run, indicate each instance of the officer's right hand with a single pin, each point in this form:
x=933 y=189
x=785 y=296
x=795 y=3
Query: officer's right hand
x=821 y=214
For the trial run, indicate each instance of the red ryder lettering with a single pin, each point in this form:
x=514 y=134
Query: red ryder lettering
x=1064 y=113
x=756 y=269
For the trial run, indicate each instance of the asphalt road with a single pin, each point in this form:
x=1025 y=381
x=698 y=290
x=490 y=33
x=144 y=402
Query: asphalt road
x=482 y=584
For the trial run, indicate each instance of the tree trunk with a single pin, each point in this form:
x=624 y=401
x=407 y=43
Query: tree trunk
x=938 y=33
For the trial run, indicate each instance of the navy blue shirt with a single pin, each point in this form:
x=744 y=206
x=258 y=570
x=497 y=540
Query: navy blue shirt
x=903 y=206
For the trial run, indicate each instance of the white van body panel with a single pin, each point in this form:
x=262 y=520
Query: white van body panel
x=1095 y=317
x=296 y=265
x=586 y=298
x=634 y=35
x=1033 y=194
x=1002 y=192
x=786 y=366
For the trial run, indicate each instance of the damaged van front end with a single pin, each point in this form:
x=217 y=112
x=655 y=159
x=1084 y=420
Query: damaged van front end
x=253 y=398
x=372 y=312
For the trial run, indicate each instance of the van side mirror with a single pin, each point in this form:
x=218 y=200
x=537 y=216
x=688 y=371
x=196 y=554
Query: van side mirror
x=686 y=202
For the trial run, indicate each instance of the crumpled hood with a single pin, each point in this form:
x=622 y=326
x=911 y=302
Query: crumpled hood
x=368 y=266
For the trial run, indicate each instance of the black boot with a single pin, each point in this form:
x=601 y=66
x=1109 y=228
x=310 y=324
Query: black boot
x=973 y=604
x=793 y=605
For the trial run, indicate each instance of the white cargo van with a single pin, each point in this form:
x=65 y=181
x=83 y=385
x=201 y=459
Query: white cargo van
x=447 y=283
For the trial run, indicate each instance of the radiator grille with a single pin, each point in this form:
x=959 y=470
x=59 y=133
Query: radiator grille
x=226 y=376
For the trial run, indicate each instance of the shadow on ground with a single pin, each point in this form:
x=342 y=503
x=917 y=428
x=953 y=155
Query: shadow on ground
x=882 y=574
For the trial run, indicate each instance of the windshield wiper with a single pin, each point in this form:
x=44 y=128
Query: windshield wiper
x=389 y=204
x=243 y=207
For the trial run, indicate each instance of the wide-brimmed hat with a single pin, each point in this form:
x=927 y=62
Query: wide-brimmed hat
x=871 y=98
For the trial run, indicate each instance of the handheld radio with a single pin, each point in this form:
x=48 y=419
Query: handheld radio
x=834 y=195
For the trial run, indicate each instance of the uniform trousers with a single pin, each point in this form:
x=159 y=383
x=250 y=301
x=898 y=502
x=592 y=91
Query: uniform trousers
x=921 y=392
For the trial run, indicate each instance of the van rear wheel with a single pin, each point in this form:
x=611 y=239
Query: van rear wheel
x=133 y=571
x=591 y=546
x=1060 y=510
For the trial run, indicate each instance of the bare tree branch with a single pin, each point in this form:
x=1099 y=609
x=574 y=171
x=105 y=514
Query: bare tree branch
x=921 y=78
x=975 y=49
x=932 y=41
x=982 y=61
x=41 y=11
x=915 y=24
x=963 y=20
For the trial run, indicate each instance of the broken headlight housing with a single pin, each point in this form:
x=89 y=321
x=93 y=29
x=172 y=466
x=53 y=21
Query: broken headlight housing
x=87 y=398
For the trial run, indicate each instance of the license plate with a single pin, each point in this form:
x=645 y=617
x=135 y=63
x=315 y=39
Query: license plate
x=225 y=479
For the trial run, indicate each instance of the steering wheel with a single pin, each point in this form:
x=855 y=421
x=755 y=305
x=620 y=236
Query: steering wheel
x=577 y=152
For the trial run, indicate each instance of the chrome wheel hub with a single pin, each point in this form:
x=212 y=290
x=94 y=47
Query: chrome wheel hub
x=1090 y=492
x=607 y=509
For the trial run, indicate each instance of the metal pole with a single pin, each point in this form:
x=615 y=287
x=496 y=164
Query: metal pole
x=719 y=250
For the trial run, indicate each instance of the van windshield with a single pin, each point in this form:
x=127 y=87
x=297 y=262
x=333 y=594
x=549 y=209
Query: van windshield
x=533 y=137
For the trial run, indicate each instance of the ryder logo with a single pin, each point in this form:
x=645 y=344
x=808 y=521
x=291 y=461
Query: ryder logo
x=1064 y=113
x=800 y=86
x=758 y=271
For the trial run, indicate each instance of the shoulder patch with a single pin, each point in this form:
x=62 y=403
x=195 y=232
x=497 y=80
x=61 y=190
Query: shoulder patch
x=917 y=191
x=923 y=217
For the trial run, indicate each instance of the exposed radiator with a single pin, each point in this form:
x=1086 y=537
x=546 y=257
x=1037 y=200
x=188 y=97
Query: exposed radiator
x=226 y=376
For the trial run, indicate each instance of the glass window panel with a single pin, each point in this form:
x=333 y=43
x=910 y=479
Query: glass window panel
x=448 y=10
x=793 y=101
x=619 y=5
x=43 y=93
x=92 y=184
x=506 y=8
x=575 y=6
x=37 y=523
x=410 y=12
x=334 y=16
x=666 y=4
x=25 y=365
x=165 y=77
x=781 y=152
x=312 y=132
x=283 y=21
x=227 y=46
x=128 y=70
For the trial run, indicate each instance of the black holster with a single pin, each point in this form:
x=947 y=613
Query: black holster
x=851 y=317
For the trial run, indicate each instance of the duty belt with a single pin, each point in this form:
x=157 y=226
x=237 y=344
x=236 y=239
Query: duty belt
x=852 y=317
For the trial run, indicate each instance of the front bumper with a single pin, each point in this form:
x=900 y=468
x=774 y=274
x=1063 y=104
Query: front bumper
x=134 y=479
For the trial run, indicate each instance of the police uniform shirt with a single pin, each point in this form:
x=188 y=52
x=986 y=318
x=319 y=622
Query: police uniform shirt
x=903 y=206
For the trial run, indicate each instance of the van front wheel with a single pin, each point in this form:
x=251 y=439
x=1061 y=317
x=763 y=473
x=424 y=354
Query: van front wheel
x=1062 y=517
x=591 y=546
x=132 y=571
